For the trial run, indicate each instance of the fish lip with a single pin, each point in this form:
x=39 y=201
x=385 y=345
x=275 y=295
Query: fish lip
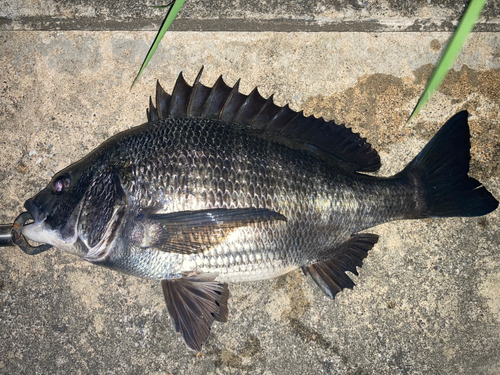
x=37 y=215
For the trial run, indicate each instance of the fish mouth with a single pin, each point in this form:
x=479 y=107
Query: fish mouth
x=25 y=229
x=37 y=226
x=37 y=230
x=36 y=214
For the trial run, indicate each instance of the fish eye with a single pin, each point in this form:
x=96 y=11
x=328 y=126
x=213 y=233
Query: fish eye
x=61 y=184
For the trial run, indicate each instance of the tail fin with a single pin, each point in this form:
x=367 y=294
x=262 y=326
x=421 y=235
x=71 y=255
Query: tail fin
x=440 y=172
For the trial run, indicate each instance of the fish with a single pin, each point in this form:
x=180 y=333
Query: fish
x=219 y=186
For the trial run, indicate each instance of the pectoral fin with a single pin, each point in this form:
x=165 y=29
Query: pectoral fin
x=194 y=304
x=191 y=232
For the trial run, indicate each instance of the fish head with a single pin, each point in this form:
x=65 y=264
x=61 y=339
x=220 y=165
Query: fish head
x=76 y=210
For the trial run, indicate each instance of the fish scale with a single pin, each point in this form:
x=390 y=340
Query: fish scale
x=219 y=186
x=323 y=204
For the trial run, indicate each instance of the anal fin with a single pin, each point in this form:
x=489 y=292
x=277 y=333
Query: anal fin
x=330 y=275
x=194 y=303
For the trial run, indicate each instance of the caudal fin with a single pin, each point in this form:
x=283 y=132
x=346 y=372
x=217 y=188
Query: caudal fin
x=440 y=173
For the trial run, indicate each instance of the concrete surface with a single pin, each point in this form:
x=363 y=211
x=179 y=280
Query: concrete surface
x=245 y=15
x=427 y=299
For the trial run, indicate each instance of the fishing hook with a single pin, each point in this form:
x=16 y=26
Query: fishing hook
x=17 y=238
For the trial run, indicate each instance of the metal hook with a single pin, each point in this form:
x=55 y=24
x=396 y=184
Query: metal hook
x=19 y=240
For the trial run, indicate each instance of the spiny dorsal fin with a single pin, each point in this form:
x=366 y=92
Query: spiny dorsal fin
x=325 y=139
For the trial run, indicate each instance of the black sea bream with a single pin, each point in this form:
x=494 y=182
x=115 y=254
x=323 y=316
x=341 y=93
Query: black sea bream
x=219 y=186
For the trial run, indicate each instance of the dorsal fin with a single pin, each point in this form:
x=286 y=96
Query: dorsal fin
x=325 y=139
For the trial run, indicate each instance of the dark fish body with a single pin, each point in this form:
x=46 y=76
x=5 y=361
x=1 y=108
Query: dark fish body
x=218 y=186
x=191 y=165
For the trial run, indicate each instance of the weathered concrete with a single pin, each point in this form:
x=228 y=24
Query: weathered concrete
x=245 y=15
x=427 y=299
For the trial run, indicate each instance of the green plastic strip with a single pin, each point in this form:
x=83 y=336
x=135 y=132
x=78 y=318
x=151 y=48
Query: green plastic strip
x=450 y=54
x=171 y=14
